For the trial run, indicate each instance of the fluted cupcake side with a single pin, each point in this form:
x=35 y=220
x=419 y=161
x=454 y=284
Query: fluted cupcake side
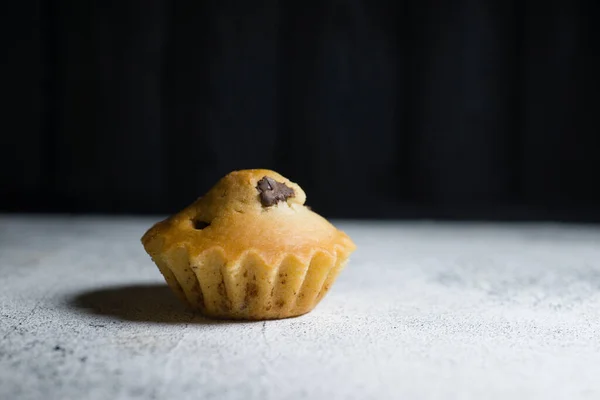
x=249 y=288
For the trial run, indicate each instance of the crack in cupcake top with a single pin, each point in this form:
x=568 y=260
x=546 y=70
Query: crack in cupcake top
x=271 y=192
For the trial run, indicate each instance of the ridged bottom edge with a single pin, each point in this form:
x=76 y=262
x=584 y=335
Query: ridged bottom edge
x=250 y=290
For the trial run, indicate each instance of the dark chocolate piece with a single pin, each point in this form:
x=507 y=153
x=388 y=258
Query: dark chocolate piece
x=272 y=191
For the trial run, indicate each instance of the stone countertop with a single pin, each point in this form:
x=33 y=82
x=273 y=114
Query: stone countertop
x=424 y=310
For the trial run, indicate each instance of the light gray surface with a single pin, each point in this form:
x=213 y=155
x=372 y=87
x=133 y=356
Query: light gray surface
x=423 y=311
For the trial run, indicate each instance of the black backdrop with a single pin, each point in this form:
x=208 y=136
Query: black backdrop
x=458 y=109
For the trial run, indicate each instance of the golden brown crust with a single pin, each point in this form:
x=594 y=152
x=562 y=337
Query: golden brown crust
x=204 y=251
x=239 y=224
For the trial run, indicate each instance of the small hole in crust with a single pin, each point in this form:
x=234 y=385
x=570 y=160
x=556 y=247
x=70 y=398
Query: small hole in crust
x=199 y=225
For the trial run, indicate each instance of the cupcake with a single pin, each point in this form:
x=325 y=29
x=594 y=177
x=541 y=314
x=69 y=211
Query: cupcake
x=249 y=249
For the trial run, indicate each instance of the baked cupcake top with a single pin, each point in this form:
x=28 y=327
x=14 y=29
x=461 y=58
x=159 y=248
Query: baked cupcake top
x=250 y=211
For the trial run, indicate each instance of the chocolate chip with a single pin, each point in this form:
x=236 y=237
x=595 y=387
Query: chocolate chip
x=272 y=191
x=200 y=224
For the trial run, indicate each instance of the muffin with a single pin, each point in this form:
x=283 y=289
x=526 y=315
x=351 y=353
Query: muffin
x=249 y=249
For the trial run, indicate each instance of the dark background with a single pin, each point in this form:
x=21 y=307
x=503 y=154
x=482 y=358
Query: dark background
x=435 y=109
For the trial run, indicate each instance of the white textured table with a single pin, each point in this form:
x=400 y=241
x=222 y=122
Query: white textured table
x=423 y=311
